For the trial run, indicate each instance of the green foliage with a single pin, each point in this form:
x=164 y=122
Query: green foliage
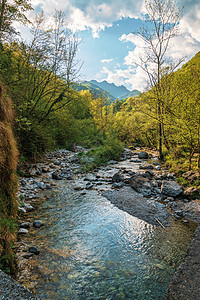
x=10 y=12
x=109 y=150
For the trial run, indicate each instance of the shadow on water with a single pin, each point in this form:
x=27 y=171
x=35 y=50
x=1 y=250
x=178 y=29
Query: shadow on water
x=92 y=250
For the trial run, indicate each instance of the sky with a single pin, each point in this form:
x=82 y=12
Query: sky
x=108 y=47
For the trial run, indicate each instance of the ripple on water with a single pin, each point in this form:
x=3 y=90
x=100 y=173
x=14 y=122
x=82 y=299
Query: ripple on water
x=93 y=250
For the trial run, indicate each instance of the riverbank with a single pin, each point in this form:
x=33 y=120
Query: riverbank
x=136 y=184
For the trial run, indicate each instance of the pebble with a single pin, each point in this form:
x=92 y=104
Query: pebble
x=89 y=186
x=28 y=207
x=34 y=250
x=22 y=231
x=37 y=224
x=158 y=168
x=25 y=225
x=22 y=209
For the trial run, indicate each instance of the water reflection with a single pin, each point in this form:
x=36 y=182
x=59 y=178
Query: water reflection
x=93 y=250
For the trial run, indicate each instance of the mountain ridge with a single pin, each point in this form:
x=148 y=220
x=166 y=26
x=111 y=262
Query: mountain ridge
x=120 y=92
x=110 y=90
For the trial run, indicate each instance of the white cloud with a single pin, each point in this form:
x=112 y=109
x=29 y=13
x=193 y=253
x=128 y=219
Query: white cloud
x=107 y=61
x=186 y=44
x=99 y=14
x=132 y=78
x=95 y=15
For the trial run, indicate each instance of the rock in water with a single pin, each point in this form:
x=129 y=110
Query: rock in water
x=141 y=185
x=143 y=155
x=171 y=188
x=22 y=231
x=34 y=250
x=37 y=224
x=25 y=225
x=117 y=178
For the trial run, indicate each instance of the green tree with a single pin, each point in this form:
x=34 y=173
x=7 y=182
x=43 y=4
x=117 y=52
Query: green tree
x=161 y=20
x=12 y=11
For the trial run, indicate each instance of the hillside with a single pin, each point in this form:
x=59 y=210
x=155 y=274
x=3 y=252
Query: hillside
x=133 y=93
x=94 y=89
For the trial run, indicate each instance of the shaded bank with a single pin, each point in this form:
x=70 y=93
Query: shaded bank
x=8 y=184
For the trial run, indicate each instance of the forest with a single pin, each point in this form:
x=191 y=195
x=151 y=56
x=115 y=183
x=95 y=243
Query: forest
x=47 y=113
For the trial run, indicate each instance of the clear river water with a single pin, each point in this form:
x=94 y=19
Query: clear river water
x=92 y=250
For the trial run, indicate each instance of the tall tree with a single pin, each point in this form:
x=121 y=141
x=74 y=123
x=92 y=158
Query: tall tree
x=161 y=26
x=12 y=11
x=44 y=69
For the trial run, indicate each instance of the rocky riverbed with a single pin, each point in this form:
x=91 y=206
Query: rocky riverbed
x=136 y=184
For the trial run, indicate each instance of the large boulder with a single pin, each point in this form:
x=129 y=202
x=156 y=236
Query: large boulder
x=141 y=185
x=143 y=155
x=117 y=178
x=171 y=188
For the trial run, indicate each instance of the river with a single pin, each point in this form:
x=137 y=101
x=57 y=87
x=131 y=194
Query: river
x=90 y=249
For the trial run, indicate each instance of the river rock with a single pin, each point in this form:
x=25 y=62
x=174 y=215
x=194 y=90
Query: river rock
x=56 y=176
x=25 y=225
x=41 y=185
x=143 y=155
x=148 y=174
x=171 y=188
x=117 y=178
x=22 y=209
x=34 y=250
x=141 y=185
x=89 y=186
x=146 y=167
x=45 y=169
x=118 y=185
x=38 y=224
x=27 y=256
x=22 y=231
x=28 y=207
x=179 y=213
x=158 y=168
x=112 y=162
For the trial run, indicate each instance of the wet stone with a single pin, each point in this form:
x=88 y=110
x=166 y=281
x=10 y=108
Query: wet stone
x=158 y=168
x=27 y=256
x=22 y=231
x=56 y=176
x=22 y=209
x=117 y=178
x=34 y=250
x=28 y=207
x=25 y=225
x=143 y=155
x=37 y=224
x=112 y=162
x=118 y=185
x=89 y=186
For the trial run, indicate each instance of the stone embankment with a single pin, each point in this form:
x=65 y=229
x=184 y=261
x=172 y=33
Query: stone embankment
x=11 y=290
x=137 y=184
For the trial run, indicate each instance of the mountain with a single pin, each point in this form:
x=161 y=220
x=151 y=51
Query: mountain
x=113 y=89
x=120 y=92
x=94 y=89
x=110 y=90
x=133 y=93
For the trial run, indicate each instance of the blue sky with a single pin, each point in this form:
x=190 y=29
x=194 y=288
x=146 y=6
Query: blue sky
x=108 y=48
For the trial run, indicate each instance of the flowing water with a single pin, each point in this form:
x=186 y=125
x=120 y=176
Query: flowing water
x=92 y=250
